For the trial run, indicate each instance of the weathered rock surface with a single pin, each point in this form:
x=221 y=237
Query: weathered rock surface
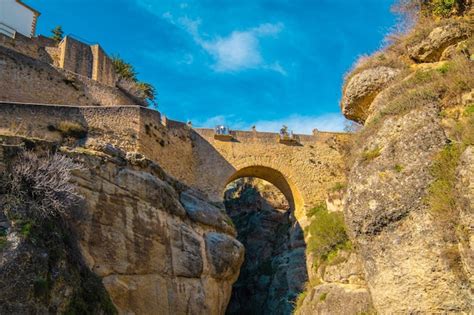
x=440 y=38
x=361 y=90
x=156 y=255
x=335 y=299
x=401 y=246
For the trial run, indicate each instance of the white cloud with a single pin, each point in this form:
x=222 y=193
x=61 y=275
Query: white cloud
x=240 y=50
x=298 y=123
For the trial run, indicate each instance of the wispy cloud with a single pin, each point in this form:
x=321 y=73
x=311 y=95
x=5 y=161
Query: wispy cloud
x=239 y=50
x=298 y=123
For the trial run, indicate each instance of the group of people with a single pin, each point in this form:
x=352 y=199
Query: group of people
x=284 y=133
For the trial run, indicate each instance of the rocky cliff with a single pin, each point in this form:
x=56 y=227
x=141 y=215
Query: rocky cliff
x=408 y=201
x=158 y=246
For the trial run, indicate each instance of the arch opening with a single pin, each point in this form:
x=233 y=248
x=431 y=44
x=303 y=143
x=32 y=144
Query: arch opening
x=287 y=188
x=261 y=203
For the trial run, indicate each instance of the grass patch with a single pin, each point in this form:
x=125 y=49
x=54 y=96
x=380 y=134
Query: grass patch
x=323 y=297
x=300 y=300
x=469 y=110
x=441 y=195
x=338 y=187
x=369 y=155
x=398 y=168
x=72 y=129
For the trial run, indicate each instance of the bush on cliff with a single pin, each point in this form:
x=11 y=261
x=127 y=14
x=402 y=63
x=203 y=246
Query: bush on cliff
x=37 y=202
x=39 y=187
x=327 y=233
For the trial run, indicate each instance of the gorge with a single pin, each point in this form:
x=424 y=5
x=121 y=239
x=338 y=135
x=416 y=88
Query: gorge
x=110 y=208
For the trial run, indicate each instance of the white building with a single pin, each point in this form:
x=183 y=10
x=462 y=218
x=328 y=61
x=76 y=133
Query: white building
x=17 y=17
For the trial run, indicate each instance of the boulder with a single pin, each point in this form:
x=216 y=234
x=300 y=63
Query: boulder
x=203 y=212
x=225 y=254
x=361 y=90
x=440 y=38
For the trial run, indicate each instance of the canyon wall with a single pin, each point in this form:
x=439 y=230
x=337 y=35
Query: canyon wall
x=159 y=246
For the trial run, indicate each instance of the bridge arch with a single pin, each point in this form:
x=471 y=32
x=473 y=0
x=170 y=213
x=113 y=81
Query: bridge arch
x=273 y=176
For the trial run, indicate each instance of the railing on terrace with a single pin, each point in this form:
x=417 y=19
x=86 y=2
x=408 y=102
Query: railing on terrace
x=7 y=30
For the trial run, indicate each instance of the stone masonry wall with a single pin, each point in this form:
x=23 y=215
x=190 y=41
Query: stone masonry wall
x=28 y=80
x=76 y=57
x=102 y=67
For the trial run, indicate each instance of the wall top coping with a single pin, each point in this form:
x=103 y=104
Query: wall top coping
x=202 y=131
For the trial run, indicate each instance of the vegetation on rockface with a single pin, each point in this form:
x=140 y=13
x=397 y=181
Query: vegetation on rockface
x=128 y=72
x=430 y=8
x=70 y=129
x=325 y=237
x=443 y=198
x=326 y=234
x=37 y=202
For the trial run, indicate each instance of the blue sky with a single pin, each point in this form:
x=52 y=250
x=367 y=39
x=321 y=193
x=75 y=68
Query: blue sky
x=238 y=62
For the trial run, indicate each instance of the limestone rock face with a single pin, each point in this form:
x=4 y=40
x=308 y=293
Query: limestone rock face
x=400 y=244
x=341 y=287
x=158 y=247
x=466 y=187
x=440 y=38
x=361 y=90
x=332 y=299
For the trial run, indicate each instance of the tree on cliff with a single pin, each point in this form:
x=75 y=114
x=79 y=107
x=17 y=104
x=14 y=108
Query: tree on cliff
x=57 y=33
x=128 y=72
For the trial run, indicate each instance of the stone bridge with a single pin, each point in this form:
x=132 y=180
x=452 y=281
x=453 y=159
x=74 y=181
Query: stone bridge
x=305 y=171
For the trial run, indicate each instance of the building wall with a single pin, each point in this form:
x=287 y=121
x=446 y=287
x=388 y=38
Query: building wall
x=17 y=16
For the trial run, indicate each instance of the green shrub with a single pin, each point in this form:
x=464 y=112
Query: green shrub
x=57 y=33
x=26 y=229
x=443 y=8
x=72 y=129
x=327 y=233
